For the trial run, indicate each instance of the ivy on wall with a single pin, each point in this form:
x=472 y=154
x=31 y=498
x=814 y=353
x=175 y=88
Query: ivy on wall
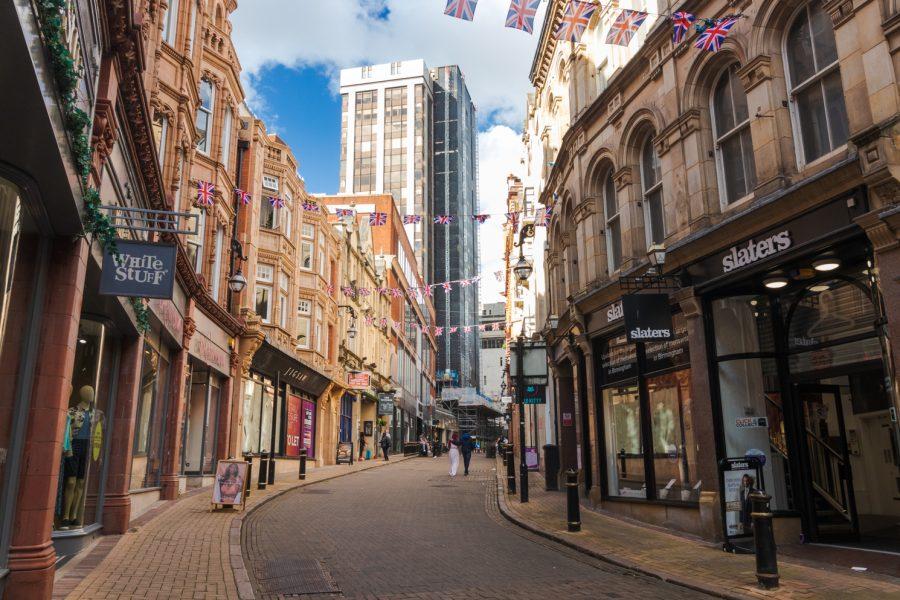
x=77 y=123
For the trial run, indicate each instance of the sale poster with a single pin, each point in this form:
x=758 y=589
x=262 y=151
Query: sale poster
x=292 y=426
x=308 y=427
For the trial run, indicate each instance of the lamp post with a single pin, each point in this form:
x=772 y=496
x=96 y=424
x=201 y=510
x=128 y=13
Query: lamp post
x=523 y=270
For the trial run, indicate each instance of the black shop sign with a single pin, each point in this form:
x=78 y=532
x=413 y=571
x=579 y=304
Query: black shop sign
x=648 y=317
x=139 y=270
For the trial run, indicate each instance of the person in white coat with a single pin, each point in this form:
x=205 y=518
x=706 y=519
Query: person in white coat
x=454 y=455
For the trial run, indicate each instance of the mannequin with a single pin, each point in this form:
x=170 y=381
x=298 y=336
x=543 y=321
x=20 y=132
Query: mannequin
x=665 y=428
x=77 y=447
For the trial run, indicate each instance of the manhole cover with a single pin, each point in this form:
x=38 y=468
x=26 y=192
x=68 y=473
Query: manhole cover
x=294 y=577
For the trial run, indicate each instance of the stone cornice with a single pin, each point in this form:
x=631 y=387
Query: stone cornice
x=688 y=122
x=755 y=72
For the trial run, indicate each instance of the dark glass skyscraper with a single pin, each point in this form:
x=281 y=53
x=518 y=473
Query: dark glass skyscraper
x=454 y=250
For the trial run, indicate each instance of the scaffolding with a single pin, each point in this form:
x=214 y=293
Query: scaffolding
x=475 y=414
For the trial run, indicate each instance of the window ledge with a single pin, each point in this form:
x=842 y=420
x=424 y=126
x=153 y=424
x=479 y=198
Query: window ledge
x=823 y=162
x=739 y=203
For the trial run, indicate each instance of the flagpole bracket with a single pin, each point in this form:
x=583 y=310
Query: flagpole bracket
x=129 y=218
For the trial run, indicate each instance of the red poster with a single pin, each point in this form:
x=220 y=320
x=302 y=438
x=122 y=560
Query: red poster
x=292 y=429
x=308 y=428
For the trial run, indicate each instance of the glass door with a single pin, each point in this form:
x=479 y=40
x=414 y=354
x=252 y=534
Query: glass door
x=829 y=480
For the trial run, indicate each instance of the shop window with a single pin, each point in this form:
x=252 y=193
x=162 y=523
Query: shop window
x=259 y=402
x=204 y=115
x=816 y=92
x=734 y=147
x=170 y=23
x=146 y=462
x=201 y=424
x=624 y=446
x=674 y=448
x=743 y=324
x=828 y=312
x=346 y=430
x=651 y=178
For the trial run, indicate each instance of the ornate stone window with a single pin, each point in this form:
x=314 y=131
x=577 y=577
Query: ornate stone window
x=204 y=115
x=734 y=147
x=613 y=222
x=170 y=23
x=651 y=179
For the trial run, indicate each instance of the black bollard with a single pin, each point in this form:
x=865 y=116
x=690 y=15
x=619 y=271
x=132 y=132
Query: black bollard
x=302 y=464
x=263 y=471
x=271 y=468
x=510 y=470
x=764 y=540
x=503 y=453
x=572 y=505
x=249 y=460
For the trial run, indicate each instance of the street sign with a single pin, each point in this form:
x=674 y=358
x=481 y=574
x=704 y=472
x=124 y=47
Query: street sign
x=534 y=394
x=140 y=270
x=359 y=380
x=385 y=404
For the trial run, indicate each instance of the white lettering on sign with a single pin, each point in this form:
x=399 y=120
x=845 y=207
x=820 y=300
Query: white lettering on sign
x=755 y=251
x=639 y=333
x=145 y=268
x=615 y=312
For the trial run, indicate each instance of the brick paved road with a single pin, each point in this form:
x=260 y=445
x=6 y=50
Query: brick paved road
x=408 y=531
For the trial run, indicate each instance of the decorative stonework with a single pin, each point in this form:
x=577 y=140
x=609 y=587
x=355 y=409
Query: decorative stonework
x=755 y=72
x=190 y=327
x=840 y=11
x=622 y=178
x=687 y=123
x=584 y=209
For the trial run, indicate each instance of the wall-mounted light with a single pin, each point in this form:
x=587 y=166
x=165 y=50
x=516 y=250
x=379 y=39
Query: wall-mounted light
x=776 y=283
x=827 y=264
x=237 y=282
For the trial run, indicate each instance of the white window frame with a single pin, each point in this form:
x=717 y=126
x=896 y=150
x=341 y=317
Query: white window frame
x=170 y=23
x=270 y=182
x=648 y=221
x=288 y=209
x=793 y=90
x=611 y=219
x=307 y=243
x=198 y=240
x=283 y=307
x=265 y=273
x=193 y=24
x=217 y=263
x=267 y=317
x=226 y=137
x=163 y=137
x=208 y=111
x=319 y=341
x=718 y=141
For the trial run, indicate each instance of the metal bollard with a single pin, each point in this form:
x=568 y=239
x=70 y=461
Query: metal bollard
x=272 y=468
x=249 y=459
x=263 y=471
x=572 y=505
x=302 y=464
x=503 y=453
x=510 y=470
x=764 y=541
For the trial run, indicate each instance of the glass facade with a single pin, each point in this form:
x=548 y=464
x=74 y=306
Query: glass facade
x=344 y=123
x=395 y=145
x=201 y=421
x=259 y=402
x=150 y=420
x=364 y=146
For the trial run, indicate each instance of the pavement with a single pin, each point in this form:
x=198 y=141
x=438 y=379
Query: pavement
x=180 y=549
x=685 y=561
x=412 y=532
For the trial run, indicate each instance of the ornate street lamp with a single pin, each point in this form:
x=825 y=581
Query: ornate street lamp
x=237 y=282
x=523 y=269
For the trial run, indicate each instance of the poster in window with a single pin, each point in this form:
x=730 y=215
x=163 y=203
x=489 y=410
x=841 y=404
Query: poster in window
x=231 y=476
x=308 y=427
x=292 y=426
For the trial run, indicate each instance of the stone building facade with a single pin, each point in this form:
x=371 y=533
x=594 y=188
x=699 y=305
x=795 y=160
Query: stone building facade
x=768 y=172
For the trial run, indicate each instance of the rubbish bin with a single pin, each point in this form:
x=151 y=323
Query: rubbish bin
x=551 y=467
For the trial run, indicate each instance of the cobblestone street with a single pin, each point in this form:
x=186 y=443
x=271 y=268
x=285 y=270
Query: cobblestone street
x=408 y=531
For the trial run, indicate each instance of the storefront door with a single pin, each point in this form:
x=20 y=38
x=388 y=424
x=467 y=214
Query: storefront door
x=829 y=480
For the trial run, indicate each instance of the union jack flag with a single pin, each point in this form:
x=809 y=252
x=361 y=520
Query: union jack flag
x=453 y=329
x=396 y=292
x=495 y=326
x=482 y=327
x=438 y=331
x=343 y=212
x=467 y=329
x=377 y=219
x=384 y=321
x=481 y=218
x=546 y=215
x=276 y=202
x=364 y=291
x=461 y=9
x=243 y=197
x=575 y=20
x=330 y=289
x=206 y=193
x=681 y=24
x=513 y=219
x=428 y=291
x=412 y=219
x=447 y=286
x=465 y=282
x=521 y=14
x=713 y=37
x=347 y=291
x=369 y=319
x=625 y=26
x=310 y=207
x=397 y=324
x=443 y=219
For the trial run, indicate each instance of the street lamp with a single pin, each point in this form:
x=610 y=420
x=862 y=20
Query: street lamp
x=351 y=332
x=523 y=268
x=657 y=255
x=237 y=282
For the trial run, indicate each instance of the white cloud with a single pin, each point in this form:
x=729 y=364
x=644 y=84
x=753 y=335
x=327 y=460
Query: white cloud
x=499 y=155
x=336 y=34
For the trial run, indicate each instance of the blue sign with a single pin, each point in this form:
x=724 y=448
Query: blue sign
x=534 y=394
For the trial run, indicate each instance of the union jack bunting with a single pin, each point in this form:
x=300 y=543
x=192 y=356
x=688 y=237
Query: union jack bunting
x=575 y=21
x=276 y=202
x=482 y=327
x=446 y=285
x=546 y=215
x=310 y=207
x=412 y=293
x=467 y=329
x=206 y=193
x=384 y=321
x=396 y=292
x=383 y=291
x=461 y=9
x=513 y=219
x=681 y=24
x=495 y=326
x=412 y=219
x=343 y=212
x=397 y=324
x=369 y=319
x=476 y=279
x=521 y=14
x=453 y=329
x=347 y=291
x=625 y=26
x=438 y=331
x=498 y=275
x=243 y=197
x=376 y=219
x=428 y=291
x=481 y=218
x=443 y=219
x=713 y=37
x=330 y=289
x=364 y=291
x=465 y=282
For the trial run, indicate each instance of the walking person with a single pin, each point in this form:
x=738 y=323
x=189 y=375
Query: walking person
x=385 y=444
x=467 y=445
x=454 y=455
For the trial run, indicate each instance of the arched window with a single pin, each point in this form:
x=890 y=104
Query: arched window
x=734 y=148
x=817 y=98
x=651 y=178
x=613 y=223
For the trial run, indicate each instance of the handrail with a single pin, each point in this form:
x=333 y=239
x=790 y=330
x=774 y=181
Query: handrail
x=835 y=503
x=827 y=446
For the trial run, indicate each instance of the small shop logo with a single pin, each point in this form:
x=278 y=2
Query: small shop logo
x=639 y=333
x=755 y=251
x=615 y=312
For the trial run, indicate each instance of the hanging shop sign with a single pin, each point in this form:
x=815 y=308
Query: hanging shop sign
x=359 y=380
x=534 y=394
x=293 y=427
x=140 y=270
x=740 y=477
x=385 y=404
x=648 y=317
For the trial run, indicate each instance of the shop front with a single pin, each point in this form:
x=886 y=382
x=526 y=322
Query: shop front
x=280 y=409
x=800 y=381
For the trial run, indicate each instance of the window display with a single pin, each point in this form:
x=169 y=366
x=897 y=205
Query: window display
x=624 y=447
x=146 y=462
x=259 y=400
x=674 y=450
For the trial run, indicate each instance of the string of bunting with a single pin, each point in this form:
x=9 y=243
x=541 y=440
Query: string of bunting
x=578 y=13
x=437 y=330
x=377 y=219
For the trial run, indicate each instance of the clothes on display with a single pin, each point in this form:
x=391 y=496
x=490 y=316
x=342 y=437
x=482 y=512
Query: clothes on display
x=81 y=423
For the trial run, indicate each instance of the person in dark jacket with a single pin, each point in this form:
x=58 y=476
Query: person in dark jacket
x=385 y=444
x=467 y=446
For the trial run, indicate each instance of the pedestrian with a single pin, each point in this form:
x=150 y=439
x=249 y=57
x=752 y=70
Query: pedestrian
x=385 y=444
x=454 y=455
x=362 y=446
x=466 y=446
x=423 y=444
x=436 y=446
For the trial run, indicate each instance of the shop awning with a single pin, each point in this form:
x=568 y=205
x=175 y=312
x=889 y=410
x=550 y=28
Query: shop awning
x=272 y=362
